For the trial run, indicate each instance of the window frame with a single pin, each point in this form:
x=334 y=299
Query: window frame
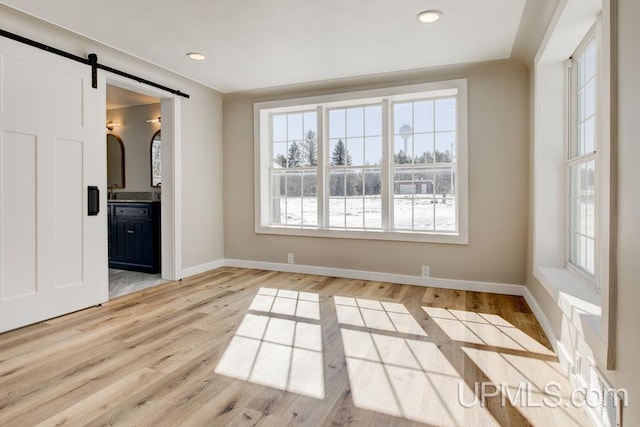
x=262 y=160
x=573 y=160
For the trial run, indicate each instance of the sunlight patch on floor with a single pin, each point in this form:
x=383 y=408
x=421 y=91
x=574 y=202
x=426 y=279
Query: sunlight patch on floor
x=402 y=377
x=484 y=329
x=386 y=316
x=524 y=379
x=290 y=303
x=281 y=353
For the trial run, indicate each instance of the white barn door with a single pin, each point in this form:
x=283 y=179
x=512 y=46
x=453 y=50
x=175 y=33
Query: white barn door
x=53 y=255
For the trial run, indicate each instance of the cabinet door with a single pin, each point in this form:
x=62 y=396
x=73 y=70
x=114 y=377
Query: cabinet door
x=109 y=226
x=141 y=242
x=121 y=238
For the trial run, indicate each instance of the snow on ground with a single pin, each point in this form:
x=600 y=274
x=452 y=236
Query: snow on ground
x=366 y=212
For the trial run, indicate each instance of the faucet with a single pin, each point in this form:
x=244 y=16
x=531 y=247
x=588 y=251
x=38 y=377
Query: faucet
x=110 y=193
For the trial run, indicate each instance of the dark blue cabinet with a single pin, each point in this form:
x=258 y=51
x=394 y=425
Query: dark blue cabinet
x=134 y=236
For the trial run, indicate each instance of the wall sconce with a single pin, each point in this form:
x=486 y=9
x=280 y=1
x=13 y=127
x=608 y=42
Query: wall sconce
x=111 y=125
x=158 y=120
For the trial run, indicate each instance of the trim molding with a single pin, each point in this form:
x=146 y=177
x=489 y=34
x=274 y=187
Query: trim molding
x=542 y=319
x=463 y=285
x=564 y=357
x=197 y=269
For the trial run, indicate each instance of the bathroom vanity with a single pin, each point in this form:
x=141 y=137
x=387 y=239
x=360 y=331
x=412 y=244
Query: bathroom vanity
x=134 y=235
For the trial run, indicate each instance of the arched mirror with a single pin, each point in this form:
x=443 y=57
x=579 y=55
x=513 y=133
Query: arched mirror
x=156 y=160
x=115 y=161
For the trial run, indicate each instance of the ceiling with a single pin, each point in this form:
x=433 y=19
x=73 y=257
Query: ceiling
x=266 y=43
x=121 y=98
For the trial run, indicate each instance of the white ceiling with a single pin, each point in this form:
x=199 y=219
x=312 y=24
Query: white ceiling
x=120 y=98
x=265 y=43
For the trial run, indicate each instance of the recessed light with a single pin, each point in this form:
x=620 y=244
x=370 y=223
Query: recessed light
x=429 y=16
x=196 y=56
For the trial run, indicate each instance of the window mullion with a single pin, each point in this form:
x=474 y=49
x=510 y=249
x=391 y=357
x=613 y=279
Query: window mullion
x=571 y=108
x=386 y=173
x=570 y=131
x=321 y=193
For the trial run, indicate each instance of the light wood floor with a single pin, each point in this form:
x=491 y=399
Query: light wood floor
x=174 y=355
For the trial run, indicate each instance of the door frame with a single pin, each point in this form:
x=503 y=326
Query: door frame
x=171 y=205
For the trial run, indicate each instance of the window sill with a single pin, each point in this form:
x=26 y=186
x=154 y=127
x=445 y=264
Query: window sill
x=578 y=301
x=447 y=238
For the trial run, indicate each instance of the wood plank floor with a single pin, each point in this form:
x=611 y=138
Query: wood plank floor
x=232 y=347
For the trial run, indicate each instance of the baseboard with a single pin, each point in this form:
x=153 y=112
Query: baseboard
x=197 y=269
x=563 y=355
x=462 y=285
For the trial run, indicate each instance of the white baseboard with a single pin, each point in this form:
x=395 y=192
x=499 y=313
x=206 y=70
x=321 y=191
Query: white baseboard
x=197 y=269
x=542 y=318
x=403 y=279
x=566 y=361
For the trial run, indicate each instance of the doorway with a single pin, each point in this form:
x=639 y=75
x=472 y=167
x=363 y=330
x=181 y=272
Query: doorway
x=141 y=187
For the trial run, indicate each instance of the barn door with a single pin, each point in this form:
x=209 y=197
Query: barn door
x=53 y=255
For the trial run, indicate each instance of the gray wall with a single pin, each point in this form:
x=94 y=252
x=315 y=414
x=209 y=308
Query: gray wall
x=498 y=179
x=628 y=297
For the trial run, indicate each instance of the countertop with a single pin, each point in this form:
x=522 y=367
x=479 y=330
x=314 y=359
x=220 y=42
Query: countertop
x=133 y=201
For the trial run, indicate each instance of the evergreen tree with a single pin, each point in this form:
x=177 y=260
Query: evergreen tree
x=340 y=155
x=294 y=157
x=281 y=160
x=401 y=158
x=310 y=148
x=443 y=156
x=346 y=182
x=425 y=157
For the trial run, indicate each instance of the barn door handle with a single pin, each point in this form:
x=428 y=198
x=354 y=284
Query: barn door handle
x=93 y=200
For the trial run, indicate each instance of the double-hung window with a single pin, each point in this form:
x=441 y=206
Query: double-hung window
x=582 y=158
x=384 y=164
x=424 y=167
x=355 y=167
x=294 y=172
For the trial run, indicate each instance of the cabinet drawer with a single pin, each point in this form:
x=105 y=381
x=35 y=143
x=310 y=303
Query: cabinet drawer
x=131 y=211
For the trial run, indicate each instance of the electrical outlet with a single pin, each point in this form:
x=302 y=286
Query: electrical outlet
x=425 y=271
x=577 y=365
x=290 y=258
